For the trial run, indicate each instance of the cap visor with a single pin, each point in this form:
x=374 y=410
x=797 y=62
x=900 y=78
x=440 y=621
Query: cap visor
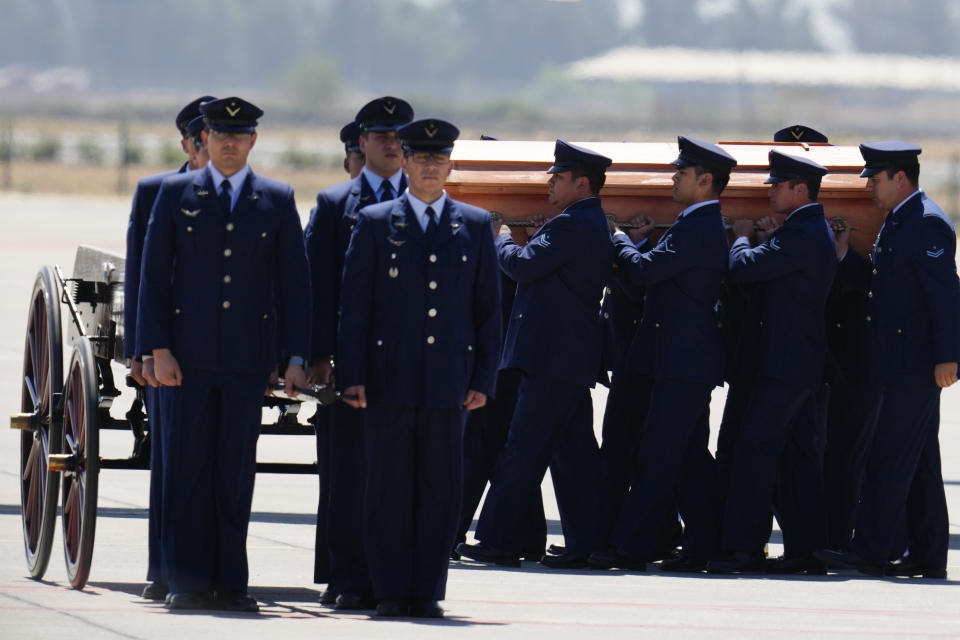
x=558 y=168
x=870 y=171
x=775 y=180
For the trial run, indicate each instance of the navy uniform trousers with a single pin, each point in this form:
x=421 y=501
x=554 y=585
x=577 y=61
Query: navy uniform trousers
x=552 y=427
x=156 y=567
x=904 y=481
x=674 y=467
x=409 y=526
x=775 y=459
x=483 y=440
x=340 y=442
x=212 y=415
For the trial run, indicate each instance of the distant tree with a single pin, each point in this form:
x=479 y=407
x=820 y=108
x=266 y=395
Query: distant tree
x=923 y=28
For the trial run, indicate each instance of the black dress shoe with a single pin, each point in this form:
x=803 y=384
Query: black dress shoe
x=738 y=562
x=797 y=565
x=233 y=601
x=848 y=560
x=483 y=553
x=614 y=559
x=566 y=560
x=393 y=608
x=683 y=564
x=532 y=554
x=187 y=600
x=426 y=609
x=667 y=554
x=908 y=568
x=155 y=591
x=351 y=601
x=328 y=596
x=556 y=549
x=454 y=555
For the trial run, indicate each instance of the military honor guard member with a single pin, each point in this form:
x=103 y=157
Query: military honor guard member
x=189 y=123
x=419 y=342
x=555 y=339
x=353 y=159
x=678 y=344
x=796 y=265
x=221 y=297
x=339 y=553
x=913 y=323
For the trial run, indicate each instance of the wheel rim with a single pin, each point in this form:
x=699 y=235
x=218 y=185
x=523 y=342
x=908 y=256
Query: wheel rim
x=41 y=386
x=81 y=443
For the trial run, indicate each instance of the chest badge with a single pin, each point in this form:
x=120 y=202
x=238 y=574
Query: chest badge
x=202 y=193
x=190 y=213
x=396 y=243
x=393 y=272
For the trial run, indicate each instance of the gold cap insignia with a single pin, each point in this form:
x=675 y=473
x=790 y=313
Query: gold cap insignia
x=389 y=107
x=431 y=129
x=232 y=112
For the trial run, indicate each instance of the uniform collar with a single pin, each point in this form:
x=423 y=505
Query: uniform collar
x=236 y=180
x=420 y=207
x=376 y=182
x=696 y=206
x=790 y=215
x=904 y=201
x=583 y=203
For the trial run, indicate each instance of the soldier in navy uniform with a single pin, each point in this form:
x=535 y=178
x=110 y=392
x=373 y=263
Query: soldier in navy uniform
x=353 y=159
x=189 y=122
x=555 y=339
x=913 y=323
x=678 y=344
x=796 y=264
x=221 y=297
x=419 y=342
x=339 y=558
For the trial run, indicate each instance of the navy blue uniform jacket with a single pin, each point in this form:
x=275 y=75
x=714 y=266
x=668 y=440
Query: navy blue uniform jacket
x=327 y=236
x=679 y=335
x=143 y=199
x=224 y=291
x=796 y=265
x=420 y=321
x=913 y=310
x=555 y=328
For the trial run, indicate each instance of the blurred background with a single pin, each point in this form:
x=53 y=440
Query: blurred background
x=89 y=88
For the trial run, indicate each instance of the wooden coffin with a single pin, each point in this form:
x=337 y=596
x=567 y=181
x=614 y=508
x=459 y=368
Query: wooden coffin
x=509 y=177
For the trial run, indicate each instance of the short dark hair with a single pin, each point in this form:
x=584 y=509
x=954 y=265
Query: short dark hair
x=720 y=178
x=813 y=186
x=596 y=177
x=911 y=170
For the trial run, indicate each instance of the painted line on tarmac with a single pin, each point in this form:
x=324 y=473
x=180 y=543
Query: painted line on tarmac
x=33 y=606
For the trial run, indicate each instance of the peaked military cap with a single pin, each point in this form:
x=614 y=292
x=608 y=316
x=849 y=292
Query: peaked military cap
x=428 y=135
x=889 y=154
x=697 y=153
x=349 y=136
x=568 y=156
x=784 y=167
x=799 y=133
x=194 y=127
x=484 y=136
x=384 y=114
x=231 y=114
x=190 y=112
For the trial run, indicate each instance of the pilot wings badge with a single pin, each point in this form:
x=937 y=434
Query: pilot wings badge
x=396 y=243
x=190 y=214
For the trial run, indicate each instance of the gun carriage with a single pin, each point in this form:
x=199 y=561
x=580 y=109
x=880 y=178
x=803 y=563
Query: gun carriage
x=61 y=417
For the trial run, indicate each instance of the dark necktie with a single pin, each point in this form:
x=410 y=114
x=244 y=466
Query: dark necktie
x=225 y=199
x=431 y=223
x=387 y=193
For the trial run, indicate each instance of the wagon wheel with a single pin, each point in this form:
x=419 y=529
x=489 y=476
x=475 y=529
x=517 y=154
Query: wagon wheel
x=80 y=462
x=39 y=422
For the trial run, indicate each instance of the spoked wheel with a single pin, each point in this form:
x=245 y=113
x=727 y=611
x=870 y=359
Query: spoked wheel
x=39 y=422
x=80 y=462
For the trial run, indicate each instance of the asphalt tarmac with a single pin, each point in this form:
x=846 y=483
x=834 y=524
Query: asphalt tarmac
x=481 y=602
